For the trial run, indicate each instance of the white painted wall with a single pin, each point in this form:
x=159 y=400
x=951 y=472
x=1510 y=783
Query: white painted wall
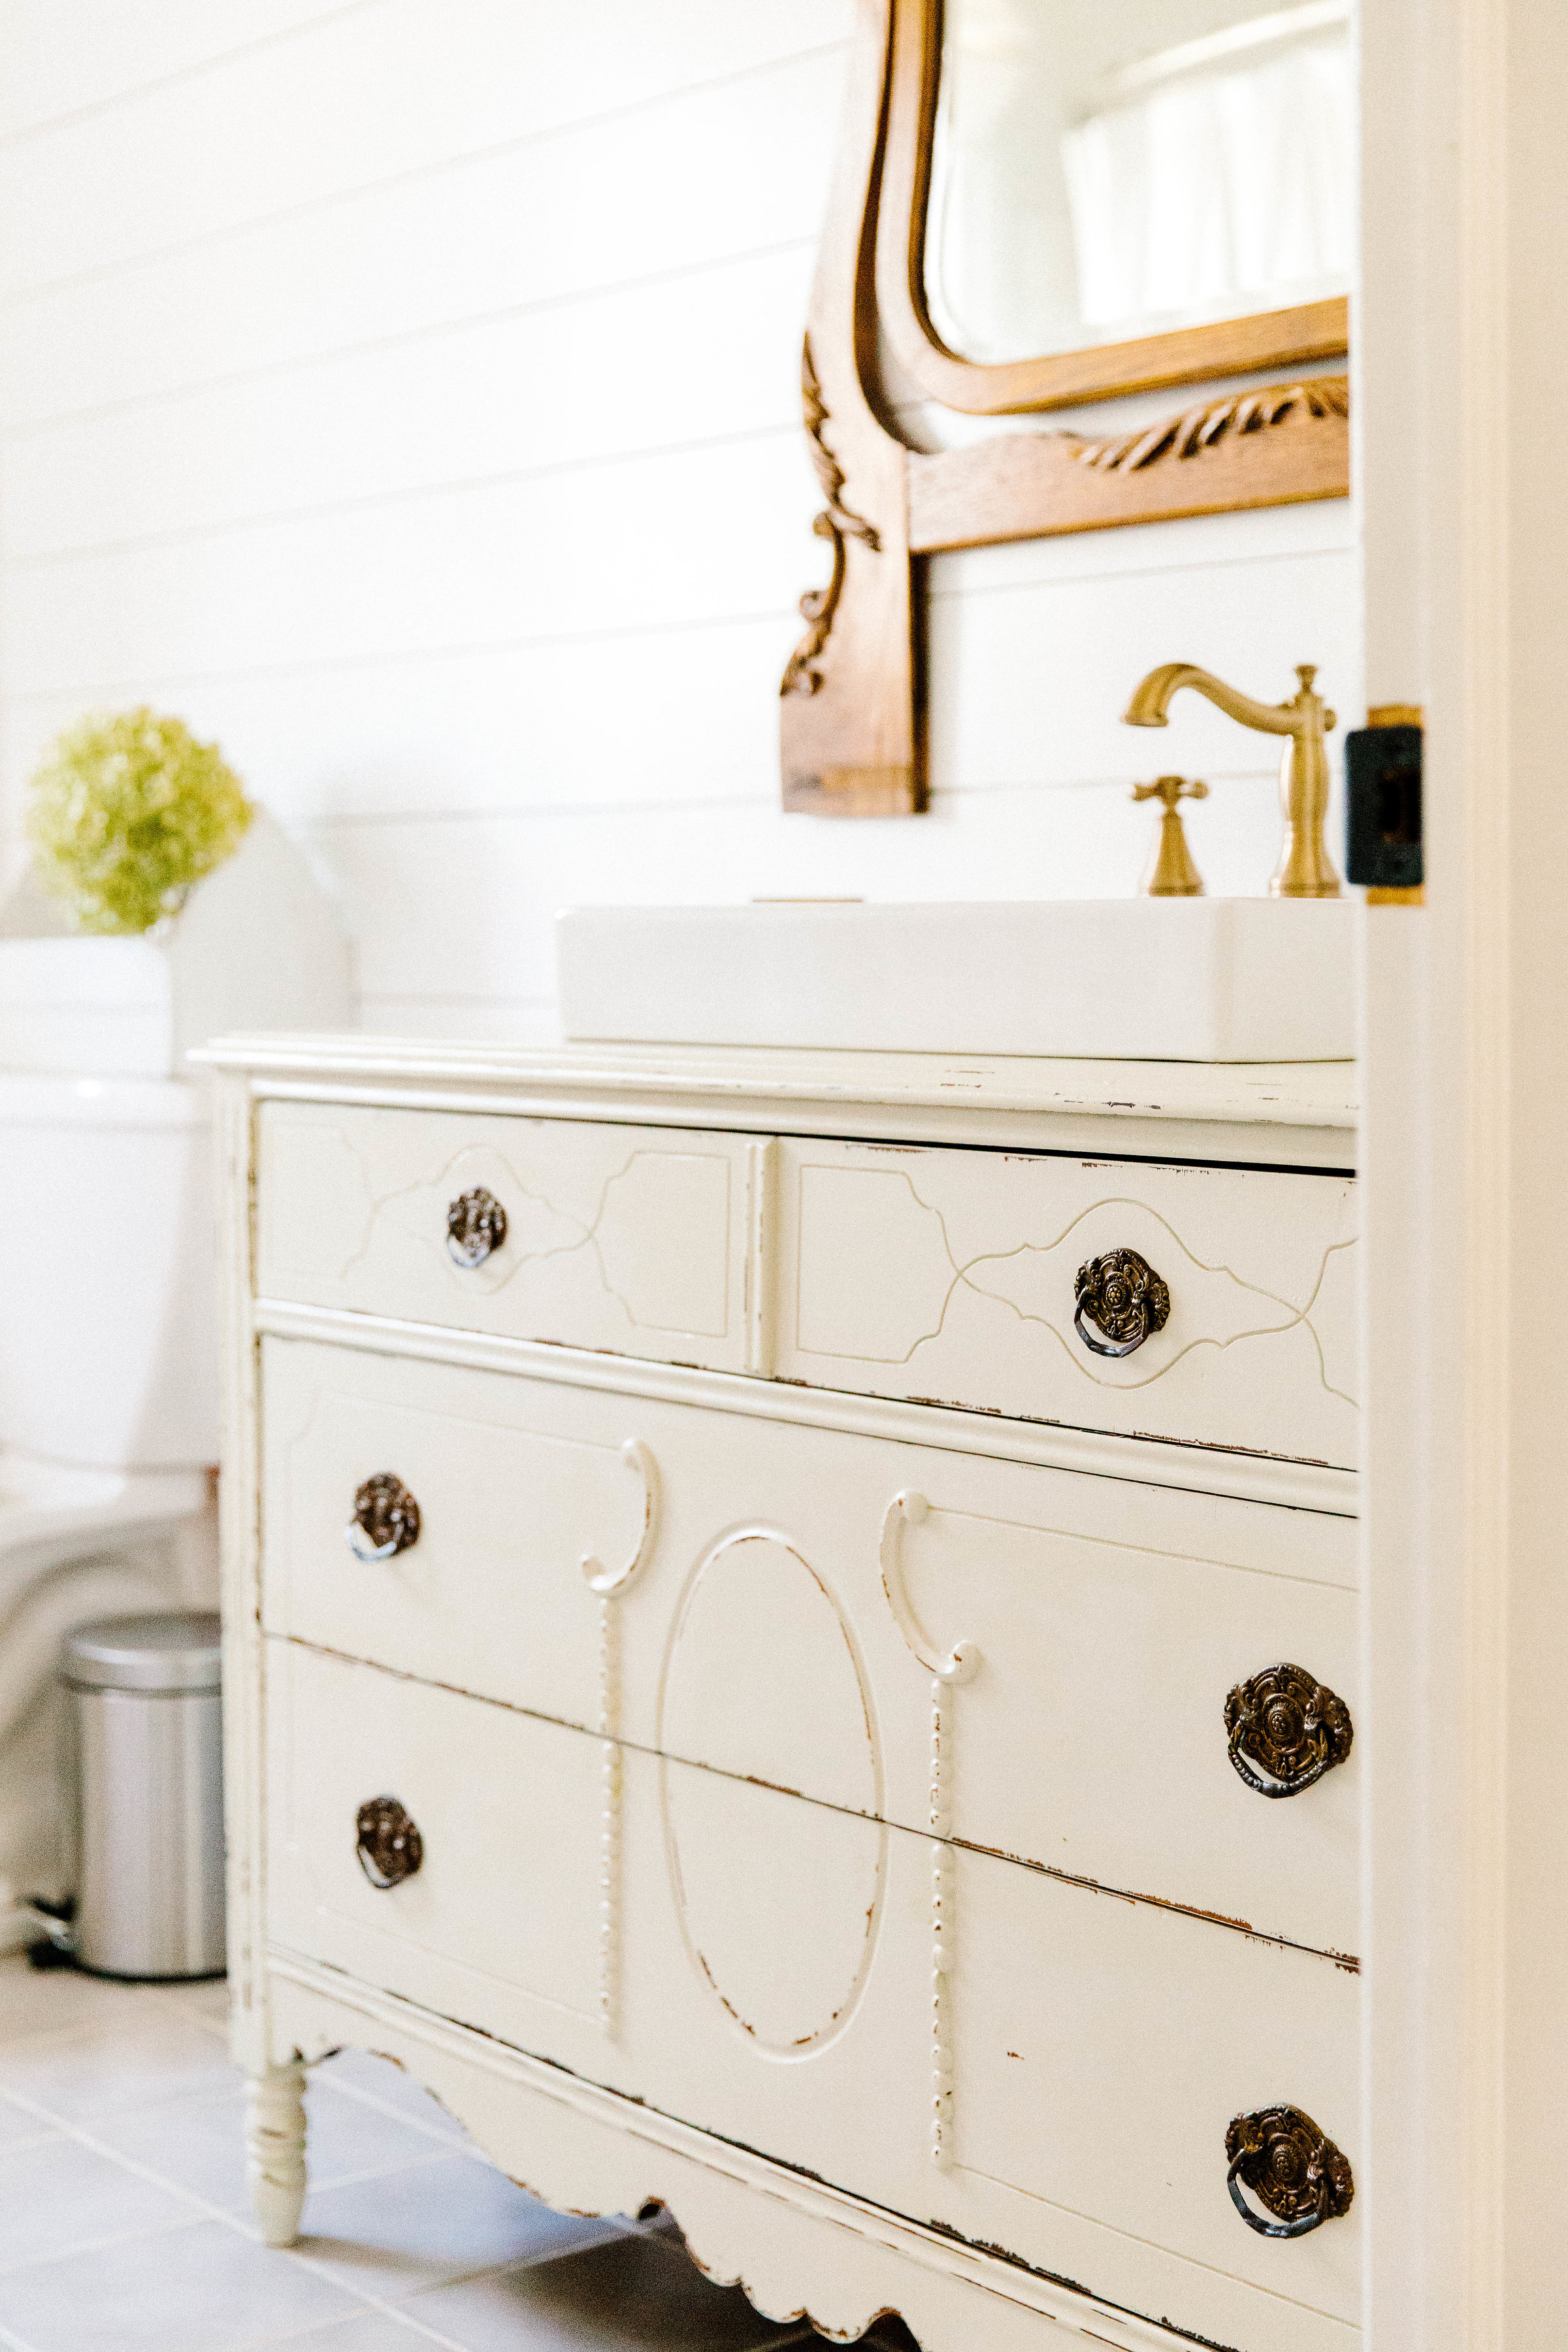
x=406 y=393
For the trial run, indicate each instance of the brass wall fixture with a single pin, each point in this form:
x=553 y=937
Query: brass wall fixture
x=1172 y=875
x=1293 y=2169
x=1304 y=870
x=387 y=1841
x=1285 y=1730
x=475 y=1224
x=1123 y=1297
x=386 y=1520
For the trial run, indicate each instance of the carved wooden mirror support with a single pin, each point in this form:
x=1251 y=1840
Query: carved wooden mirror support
x=851 y=697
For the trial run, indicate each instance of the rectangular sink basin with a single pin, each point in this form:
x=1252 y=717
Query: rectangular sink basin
x=1166 y=979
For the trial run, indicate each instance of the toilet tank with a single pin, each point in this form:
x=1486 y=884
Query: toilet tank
x=108 y=1311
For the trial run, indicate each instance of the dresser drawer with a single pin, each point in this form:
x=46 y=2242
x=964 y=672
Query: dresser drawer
x=949 y=1276
x=778 y=1992
x=515 y=1483
x=799 y=1610
x=504 y=1905
x=625 y=1238
x=1166 y=1688
x=1100 y=2051
x=788 y=1629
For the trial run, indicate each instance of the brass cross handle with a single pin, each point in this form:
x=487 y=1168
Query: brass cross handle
x=1294 y=2170
x=388 y=1843
x=1288 y=1727
x=1123 y=1297
x=1173 y=874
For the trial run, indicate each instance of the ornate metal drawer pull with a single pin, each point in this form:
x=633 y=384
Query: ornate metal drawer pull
x=1125 y=1300
x=1289 y=1726
x=389 y=1844
x=475 y=1224
x=1295 y=2172
x=386 y=1519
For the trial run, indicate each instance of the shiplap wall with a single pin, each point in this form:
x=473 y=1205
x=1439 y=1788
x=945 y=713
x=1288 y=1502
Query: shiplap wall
x=407 y=393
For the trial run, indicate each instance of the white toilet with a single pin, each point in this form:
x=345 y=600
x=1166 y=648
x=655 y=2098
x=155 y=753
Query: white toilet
x=108 y=1280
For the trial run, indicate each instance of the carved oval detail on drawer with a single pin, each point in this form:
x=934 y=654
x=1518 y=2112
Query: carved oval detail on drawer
x=764 y=1705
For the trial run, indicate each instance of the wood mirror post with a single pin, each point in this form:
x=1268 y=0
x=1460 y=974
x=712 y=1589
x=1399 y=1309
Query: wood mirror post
x=849 y=721
x=851 y=698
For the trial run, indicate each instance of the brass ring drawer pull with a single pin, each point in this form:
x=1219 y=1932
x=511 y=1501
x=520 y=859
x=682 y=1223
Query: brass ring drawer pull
x=1123 y=1298
x=1284 y=1724
x=475 y=1224
x=1292 y=2169
x=389 y=1845
x=386 y=1519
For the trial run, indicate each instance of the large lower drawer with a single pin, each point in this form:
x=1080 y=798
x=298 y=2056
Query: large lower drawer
x=950 y=1276
x=1090 y=2052
x=789 y=1589
x=505 y=1903
x=625 y=1238
x=762 y=1969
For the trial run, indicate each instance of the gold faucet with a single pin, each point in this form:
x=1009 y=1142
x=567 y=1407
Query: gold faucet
x=1304 y=870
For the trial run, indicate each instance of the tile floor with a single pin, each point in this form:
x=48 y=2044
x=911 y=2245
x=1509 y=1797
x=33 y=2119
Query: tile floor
x=124 y=2227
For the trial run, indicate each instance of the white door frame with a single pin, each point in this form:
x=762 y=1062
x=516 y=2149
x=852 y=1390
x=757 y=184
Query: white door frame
x=1461 y=347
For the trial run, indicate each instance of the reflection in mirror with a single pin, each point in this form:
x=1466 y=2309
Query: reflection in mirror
x=1107 y=169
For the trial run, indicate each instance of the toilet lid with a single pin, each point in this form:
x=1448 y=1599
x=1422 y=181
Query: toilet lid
x=173 y=1651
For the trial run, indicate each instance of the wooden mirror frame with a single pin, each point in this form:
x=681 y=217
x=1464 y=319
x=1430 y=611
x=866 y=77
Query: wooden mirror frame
x=852 y=702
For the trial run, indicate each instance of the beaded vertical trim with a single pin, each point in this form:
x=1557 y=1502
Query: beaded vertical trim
x=941 y=1941
x=959 y=1664
x=609 y=1814
x=610 y=1583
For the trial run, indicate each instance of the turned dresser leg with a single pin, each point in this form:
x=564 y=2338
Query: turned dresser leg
x=275 y=2150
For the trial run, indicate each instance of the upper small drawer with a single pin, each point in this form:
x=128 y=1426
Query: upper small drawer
x=950 y=1276
x=631 y=1239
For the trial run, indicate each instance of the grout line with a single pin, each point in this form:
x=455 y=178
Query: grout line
x=322 y=2330
x=102 y=2245
x=406 y=996
x=402 y=657
x=51 y=124
x=1247 y=558
x=1039 y=784
x=396 y=2311
x=761 y=803
x=412 y=494
x=467 y=322
x=202 y=2209
x=528 y=811
x=413 y=174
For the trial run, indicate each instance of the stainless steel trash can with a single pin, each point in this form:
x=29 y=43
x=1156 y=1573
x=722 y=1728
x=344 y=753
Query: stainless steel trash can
x=145 y=1725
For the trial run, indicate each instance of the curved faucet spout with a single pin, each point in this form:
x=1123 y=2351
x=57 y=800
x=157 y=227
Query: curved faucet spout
x=1150 y=702
x=1304 y=870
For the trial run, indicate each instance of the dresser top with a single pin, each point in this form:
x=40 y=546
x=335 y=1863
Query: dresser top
x=931 y=1091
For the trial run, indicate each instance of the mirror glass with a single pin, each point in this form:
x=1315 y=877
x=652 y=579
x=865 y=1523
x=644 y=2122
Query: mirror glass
x=1106 y=169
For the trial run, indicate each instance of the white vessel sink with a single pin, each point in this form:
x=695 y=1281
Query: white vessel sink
x=1169 y=980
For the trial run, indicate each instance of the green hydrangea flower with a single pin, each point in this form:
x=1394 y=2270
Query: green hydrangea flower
x=126 y=814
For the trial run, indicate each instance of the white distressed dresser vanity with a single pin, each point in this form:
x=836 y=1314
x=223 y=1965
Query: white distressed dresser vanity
x=835 y=1708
